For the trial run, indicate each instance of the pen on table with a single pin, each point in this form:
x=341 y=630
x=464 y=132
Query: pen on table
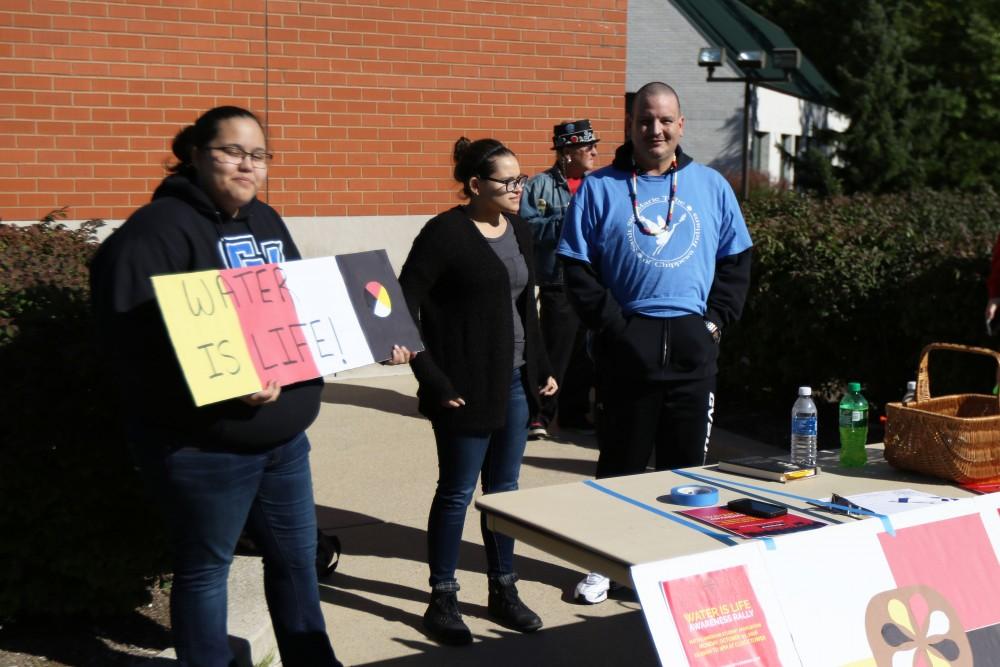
x=925 y=501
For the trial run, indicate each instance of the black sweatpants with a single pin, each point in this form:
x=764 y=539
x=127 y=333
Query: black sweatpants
x=636 y=418
x=565 y=342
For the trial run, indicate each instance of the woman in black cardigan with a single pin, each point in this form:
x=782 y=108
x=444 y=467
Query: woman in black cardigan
x=469 y=283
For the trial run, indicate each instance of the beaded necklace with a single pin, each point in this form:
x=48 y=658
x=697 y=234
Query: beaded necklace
x=647 y=226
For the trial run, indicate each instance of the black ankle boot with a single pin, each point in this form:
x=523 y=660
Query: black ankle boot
x=443 y=620
x=505 y=605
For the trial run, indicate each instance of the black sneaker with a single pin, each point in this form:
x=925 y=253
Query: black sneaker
x=506 y=608
x=537 y=430
x=443 y=621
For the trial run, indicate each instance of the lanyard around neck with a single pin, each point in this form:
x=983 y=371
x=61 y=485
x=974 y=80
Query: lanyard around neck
x=649 y=227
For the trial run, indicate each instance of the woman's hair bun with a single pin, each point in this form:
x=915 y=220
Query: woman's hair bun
x=183 y=144
x=461 y=147
x=201 y=134
x=476 y=158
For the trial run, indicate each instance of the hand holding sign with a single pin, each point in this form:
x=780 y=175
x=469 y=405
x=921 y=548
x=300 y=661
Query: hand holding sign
x=238 y=331
x=268 y=394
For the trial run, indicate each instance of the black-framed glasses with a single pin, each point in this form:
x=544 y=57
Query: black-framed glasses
x=235 y=155
x=510 y=184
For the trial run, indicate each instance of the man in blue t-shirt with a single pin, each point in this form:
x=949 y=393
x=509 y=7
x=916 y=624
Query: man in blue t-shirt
x=657 y=263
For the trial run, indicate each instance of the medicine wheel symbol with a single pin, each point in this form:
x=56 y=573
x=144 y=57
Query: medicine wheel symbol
x=378 y=299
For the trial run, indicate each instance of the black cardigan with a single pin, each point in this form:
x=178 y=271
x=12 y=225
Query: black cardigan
x=458 y=292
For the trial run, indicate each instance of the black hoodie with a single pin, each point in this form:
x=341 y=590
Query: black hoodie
x=670 y=348
x=180 y=231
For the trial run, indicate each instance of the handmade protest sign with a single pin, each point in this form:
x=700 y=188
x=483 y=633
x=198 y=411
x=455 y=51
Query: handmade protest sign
x=235 y=330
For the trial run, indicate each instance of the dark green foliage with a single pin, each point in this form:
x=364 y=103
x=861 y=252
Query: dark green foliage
x=758 y=183
x=814 y=174
x=889 y=137
x=43 y=271
x=852 y=288
x=79 y=535
x=919 y=79
x=958 y=58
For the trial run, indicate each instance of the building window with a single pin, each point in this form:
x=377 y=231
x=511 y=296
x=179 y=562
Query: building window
x=787 y=158
x=759 y=147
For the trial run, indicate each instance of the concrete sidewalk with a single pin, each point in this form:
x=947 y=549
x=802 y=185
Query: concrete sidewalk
x=374 y=470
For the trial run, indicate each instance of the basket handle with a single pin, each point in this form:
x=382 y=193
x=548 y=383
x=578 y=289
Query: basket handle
x=923 y=375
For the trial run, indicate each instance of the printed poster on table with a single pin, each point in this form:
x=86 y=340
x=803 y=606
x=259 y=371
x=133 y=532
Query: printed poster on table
x=720 y=619
x=920 y=588
x=235 y=330
x=742 y=525
x=710 y=610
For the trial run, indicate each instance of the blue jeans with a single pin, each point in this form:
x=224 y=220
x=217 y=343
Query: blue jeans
x=461 y=457
x=207 y=498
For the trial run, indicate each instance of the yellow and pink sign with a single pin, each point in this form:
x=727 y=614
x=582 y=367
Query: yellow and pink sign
x=235 y=330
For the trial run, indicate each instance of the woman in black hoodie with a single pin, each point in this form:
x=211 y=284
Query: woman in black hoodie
x=239 y=462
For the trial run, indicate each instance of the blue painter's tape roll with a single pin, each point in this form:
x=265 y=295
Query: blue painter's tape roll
x=694 y=496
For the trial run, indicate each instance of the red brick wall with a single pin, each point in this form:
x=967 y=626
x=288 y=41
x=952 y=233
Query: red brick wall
x=364 y=99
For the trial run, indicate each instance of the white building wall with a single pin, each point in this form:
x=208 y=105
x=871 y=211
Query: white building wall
x=780 y=119
x=663 y=46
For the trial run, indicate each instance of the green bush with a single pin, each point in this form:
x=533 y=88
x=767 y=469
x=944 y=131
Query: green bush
x=77 y=530
x=852 y=288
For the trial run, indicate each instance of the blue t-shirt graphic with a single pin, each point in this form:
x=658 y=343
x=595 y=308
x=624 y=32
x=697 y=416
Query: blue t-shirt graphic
x=668 y=274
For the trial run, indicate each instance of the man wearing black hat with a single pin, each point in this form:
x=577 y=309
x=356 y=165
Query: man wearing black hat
x=543 y=205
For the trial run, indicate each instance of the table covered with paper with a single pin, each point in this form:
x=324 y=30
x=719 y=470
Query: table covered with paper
x=898 y=564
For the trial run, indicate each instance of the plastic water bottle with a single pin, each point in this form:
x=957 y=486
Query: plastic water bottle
x=853 y=427
x=911 y=392
x=804 y=428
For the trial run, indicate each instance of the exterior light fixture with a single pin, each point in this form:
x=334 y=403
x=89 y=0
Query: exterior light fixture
x=751 y=59
x=750 y=63
x=786 y=59
x=711 y=56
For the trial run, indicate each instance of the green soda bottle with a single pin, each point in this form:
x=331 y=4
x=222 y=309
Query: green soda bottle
x=853 y=427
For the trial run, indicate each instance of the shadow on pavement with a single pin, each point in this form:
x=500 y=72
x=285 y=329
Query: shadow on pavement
x=333 y=518
x=585 y=440
x=613 y=640
x=390 y=540
x=375 y=398
x=369 y=537
x=574 y=466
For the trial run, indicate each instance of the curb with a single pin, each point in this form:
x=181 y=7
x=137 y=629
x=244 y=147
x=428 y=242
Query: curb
x=251 y=636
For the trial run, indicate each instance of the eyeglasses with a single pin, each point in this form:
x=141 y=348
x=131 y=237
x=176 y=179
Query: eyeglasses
x=510 y=184
x=235 y=155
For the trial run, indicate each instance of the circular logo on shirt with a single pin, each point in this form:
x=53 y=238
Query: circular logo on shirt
x=675 y=243
x=378 y=299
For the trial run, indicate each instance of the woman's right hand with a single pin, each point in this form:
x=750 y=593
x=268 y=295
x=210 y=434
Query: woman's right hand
x=991 y=308
x=400 y=355
x=269 y=394
x=453 y=402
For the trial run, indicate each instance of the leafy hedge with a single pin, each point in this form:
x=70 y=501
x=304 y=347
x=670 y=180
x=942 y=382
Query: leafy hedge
x=77 y=530
x=852 y=288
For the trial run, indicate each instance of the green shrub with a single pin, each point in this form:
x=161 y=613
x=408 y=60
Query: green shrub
x=77 y=530
x=852 y=288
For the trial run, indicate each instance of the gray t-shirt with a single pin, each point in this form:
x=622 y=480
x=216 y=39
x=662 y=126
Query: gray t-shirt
x=505 y=246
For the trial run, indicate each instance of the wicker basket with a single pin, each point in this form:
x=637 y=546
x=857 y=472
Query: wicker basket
x=955 y=437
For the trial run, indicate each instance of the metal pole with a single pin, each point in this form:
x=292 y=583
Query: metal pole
x=745 y=185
